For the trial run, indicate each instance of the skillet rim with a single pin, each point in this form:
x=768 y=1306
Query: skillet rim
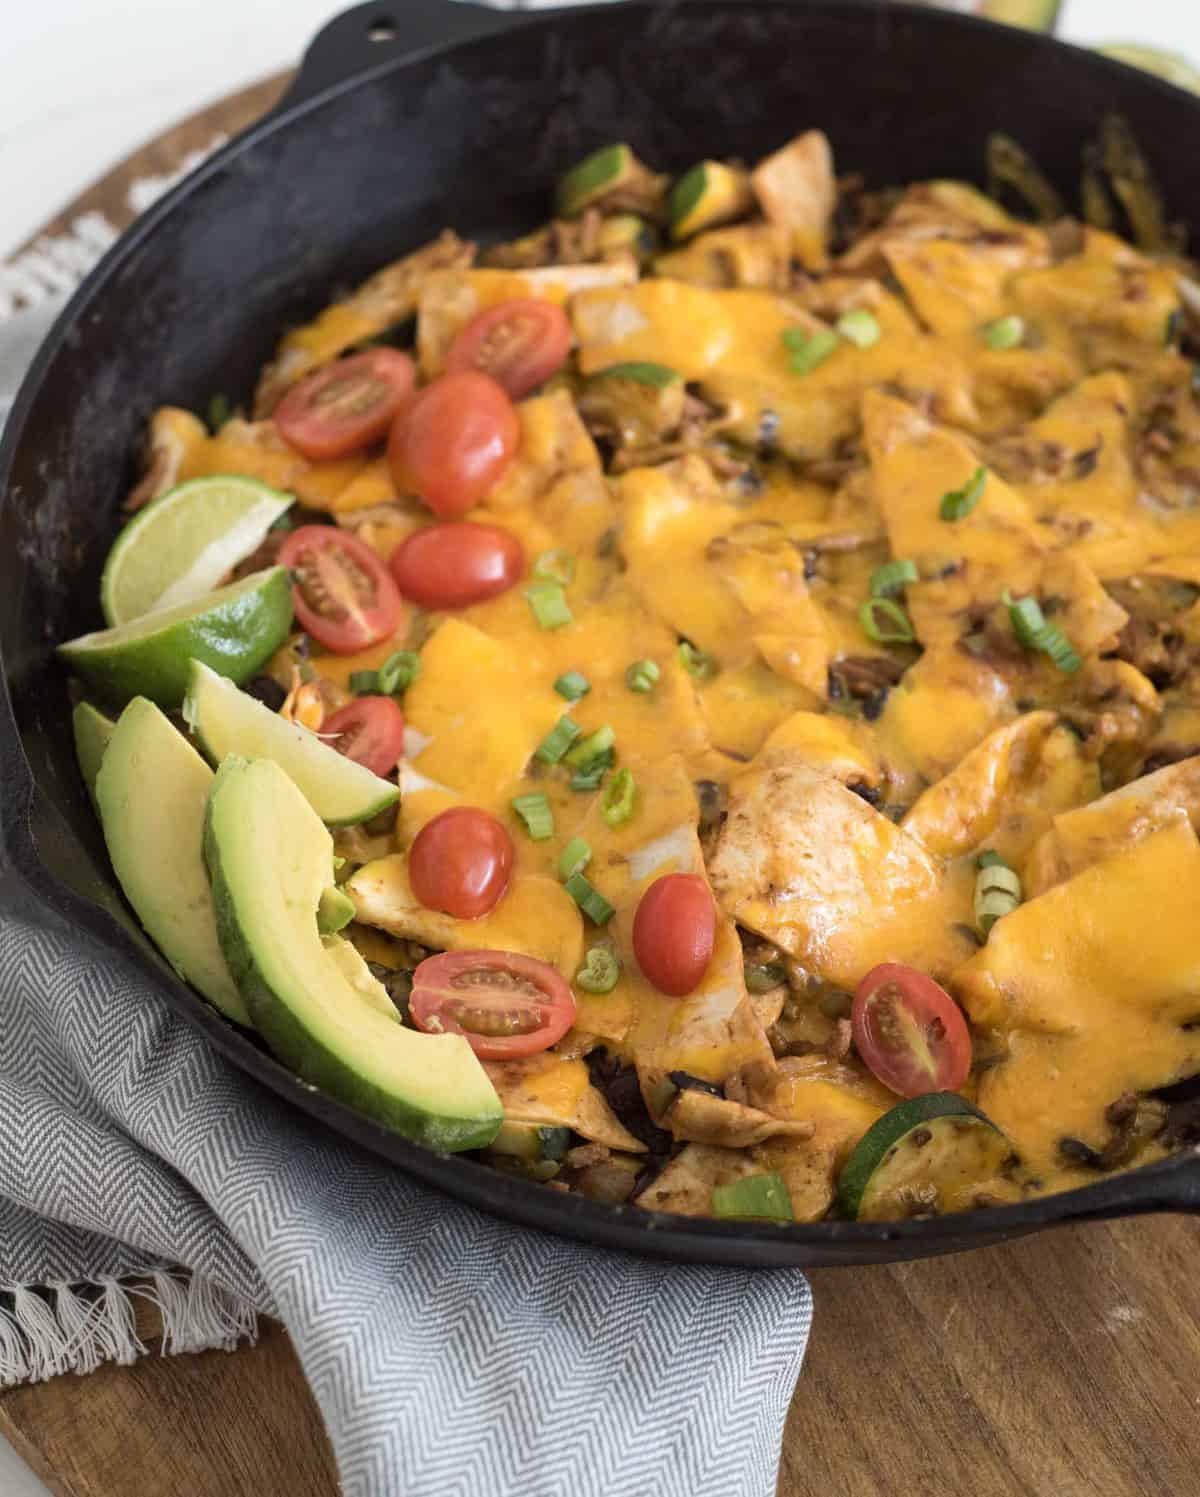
x=1171 y=1184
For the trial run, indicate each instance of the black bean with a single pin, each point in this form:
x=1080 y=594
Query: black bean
x=268 y=691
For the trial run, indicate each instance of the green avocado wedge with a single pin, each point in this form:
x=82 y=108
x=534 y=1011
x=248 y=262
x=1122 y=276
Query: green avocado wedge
x=228 y=721
x=152 y=791
x=92 y=732
x=233 y=630
x=270 y=858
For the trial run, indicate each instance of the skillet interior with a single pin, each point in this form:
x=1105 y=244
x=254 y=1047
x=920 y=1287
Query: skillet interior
x=192 y=302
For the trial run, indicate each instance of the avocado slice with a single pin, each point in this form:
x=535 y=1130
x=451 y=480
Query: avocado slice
x=228 y=721
x=151 y=791
x=271 y=860
x=710 y=194
x=92 y=732
x=928 y=1154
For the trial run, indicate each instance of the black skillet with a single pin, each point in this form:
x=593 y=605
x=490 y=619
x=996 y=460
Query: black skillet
x=408 y=116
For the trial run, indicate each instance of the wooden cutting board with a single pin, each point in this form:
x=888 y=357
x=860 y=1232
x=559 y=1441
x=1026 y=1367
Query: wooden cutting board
x=1066 y=1365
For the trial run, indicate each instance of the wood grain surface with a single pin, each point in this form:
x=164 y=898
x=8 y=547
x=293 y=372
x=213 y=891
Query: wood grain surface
x=1066 y=1365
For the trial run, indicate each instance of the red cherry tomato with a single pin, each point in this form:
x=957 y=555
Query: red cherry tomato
x=454 y=441
x=457 y=564
x=673 y=932
x=505 y=1004
x=460 y=863
x=369 y=730
x=347 y=405
x=344 y=595
x=910 y=1032
x=519 y=343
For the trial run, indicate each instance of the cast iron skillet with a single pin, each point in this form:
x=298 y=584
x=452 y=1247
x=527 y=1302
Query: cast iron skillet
x=406 y=117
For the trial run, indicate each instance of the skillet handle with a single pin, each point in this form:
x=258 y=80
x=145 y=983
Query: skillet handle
x=363 y=38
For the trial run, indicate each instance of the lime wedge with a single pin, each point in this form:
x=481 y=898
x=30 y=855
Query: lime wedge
x=182 y=545
x=1168 y=65
x=233 y=630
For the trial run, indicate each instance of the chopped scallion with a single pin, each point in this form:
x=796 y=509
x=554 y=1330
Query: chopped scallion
x=574 y=858
x=760 y=1196
x=616 y=804
x=549 y=603
x=959 y=503
x=590 y=776
x=572 y=686
x=589 y=899
x=534 y=810
x=860 y=327
x=1005 y=332
x=809 y=353
x=643 y=676
x=887 y=581
x=594 y=744
x=364 y=683
x=559 y=739
x=554 y=566
x=600 y=971
x=696 y=662
x=1034 y=633
x=885 y=622
x=997 y=891
x=398 y=672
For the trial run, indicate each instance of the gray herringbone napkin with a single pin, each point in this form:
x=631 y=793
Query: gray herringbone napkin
x=449 y=1353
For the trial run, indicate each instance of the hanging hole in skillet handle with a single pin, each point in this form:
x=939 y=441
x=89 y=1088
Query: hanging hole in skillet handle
x=365 y=36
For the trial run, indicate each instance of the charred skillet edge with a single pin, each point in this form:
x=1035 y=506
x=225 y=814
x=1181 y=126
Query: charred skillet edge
x=367 y=37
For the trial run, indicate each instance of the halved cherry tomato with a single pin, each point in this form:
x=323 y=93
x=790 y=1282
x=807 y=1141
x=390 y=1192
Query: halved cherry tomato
x=460 y=863
x=507 y=1005
x=454 y=441
x=347 y=405
x=344 y=595
x=369 y=730
x=457 y=564
x=519 y=343
x=910 y=1033
x=674 y=931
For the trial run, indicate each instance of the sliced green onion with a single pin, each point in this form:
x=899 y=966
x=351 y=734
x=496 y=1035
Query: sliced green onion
x=764 y=978
x=594 y=744
x=759 y=1196
x=616 y=804
x=893 y=578
x=589 y=776
x=643 y=676
x=559 y=739
x=1005 y=332
x=554 y=566
x=813 y=352
x=641 y=372
x=589 y=899
x=1034 y=633
x=574 y=858
x=218 y=413
x=860 y=327
x=398 y=672
x=696 y=662
x=997 y=891
x=534 y=810
x=549 y=603
x=885 y=622
x=959 y=503
x=364 y=683
x=600 y=971
x=572 y=686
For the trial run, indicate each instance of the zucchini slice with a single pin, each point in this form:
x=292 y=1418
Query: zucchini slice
x=927 y=1156
x=708 y=195
x=536 y=1142
x=594 y=178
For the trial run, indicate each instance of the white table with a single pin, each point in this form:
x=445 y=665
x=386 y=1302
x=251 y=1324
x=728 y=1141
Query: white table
x=84 y=82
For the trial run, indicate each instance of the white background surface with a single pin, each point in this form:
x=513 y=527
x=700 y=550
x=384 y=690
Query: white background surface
x=84 y=82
